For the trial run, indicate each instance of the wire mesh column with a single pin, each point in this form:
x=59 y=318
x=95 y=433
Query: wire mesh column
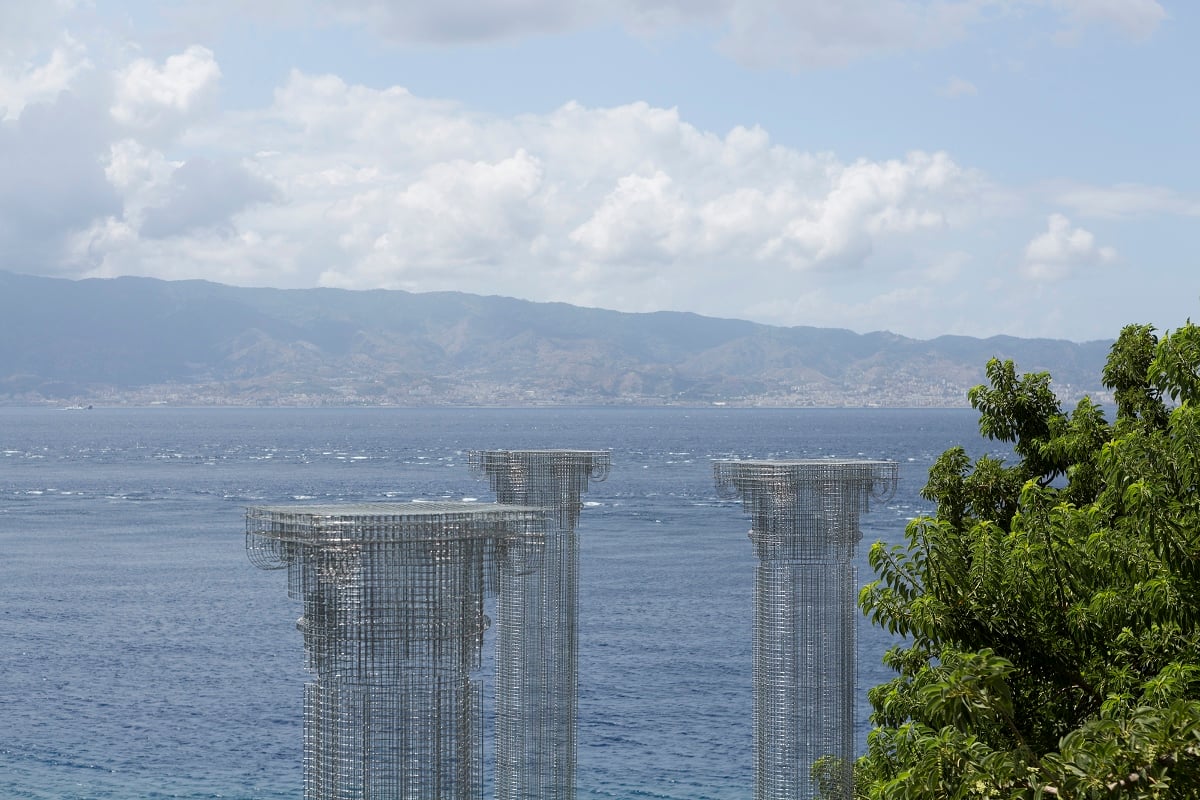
x=393 y=628
x=804 y=528
x=537 y=662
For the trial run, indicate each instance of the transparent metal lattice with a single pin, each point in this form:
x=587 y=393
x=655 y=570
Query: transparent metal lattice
x=393 y=627
x=805 y=525
x=537 y=662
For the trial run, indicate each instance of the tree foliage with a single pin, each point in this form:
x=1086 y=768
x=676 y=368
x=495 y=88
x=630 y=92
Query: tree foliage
x=1050 y=608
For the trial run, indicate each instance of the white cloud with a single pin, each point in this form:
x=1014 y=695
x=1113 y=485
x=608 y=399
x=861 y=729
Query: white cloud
x=628 y=206
x=1125 y=200
x=809 y=33
x=136 y=170
x=149 y=96
x=457 y=218
x=203 y=193
x=643 y=218
x=51 y=160
x=958 y=87
x=451 y=21
x=1137 y=19
x=865 y=201
x=31 y=82
x=945 y=269
x=1063 y=250
x=38 y=57
x=26 y=26
x=762 y=33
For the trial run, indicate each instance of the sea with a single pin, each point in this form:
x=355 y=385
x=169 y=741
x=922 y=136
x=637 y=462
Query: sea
x=143 y=656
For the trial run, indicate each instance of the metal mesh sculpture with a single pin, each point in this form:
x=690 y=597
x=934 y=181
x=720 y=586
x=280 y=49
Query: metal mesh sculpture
x=537 y=662
x=393 y=627
x=804 y=529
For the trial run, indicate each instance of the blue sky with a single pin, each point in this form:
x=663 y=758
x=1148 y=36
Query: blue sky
x=973 y=167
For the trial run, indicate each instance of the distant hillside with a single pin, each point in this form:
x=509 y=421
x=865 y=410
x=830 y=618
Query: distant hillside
x=139 y=340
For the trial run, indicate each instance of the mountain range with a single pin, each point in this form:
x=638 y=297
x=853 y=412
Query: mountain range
x=141 y=340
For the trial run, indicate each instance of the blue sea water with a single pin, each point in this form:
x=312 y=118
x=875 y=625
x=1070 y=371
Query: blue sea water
x=142 y=656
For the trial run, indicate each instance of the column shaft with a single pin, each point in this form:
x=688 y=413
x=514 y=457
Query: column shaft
x=537 y=670
x=805 y=518
x=393 y=627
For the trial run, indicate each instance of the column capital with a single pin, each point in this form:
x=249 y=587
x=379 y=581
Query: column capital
x=587 y=464
x=805 y=509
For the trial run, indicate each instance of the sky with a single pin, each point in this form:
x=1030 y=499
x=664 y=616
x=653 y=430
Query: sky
x=926 y=167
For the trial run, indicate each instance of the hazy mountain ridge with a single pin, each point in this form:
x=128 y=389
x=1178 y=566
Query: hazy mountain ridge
x=139 y=340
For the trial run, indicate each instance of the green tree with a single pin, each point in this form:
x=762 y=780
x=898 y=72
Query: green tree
x=1050 y=608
